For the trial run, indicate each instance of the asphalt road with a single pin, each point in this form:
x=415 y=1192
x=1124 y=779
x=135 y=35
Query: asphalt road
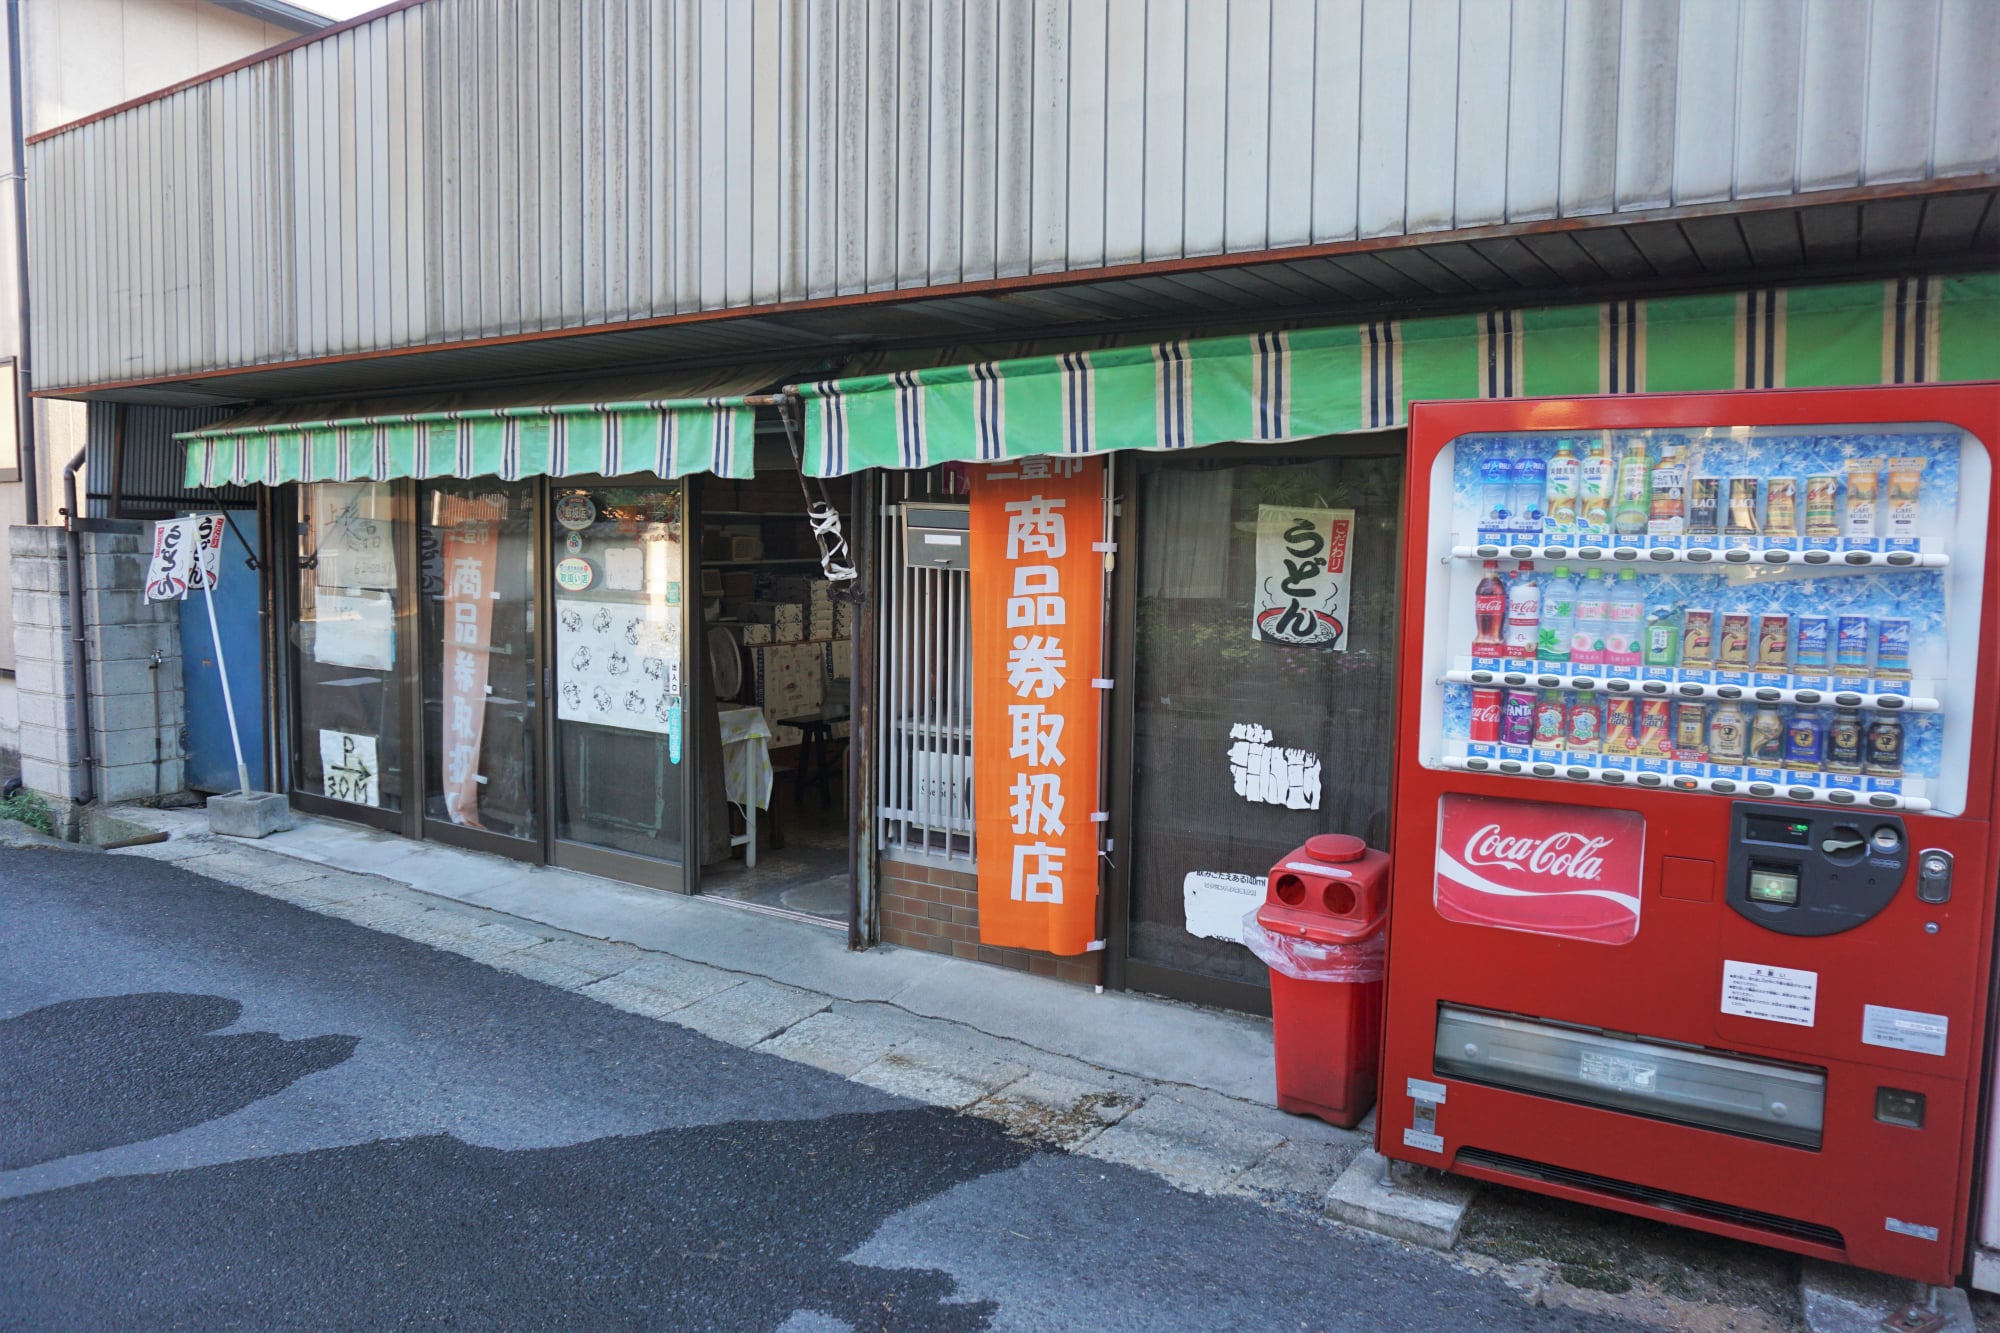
x=220 y=1111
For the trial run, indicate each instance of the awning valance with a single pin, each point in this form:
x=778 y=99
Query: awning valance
x=669 y=437
x=1299 y=383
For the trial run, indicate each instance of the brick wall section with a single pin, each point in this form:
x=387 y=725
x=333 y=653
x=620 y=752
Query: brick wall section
x=936 y=907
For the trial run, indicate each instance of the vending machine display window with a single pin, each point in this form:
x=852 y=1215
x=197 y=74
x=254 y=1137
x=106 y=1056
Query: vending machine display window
x=1785 y=613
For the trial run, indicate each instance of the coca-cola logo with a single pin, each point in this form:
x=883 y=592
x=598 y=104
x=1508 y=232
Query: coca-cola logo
x=1563 y=855
x=1550 y=868
x=1486 y=712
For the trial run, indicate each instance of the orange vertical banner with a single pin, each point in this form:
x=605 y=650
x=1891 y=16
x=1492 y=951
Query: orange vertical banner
x=1037 y=636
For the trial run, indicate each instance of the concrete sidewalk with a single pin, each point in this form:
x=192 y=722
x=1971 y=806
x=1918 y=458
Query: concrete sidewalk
x=1184 y=1092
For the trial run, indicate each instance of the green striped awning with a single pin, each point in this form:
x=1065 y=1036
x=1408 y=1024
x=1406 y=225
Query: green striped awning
x=1293 y=384
x=669 y=437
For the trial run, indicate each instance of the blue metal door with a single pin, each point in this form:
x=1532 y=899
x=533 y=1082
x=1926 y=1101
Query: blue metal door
x=211 y=762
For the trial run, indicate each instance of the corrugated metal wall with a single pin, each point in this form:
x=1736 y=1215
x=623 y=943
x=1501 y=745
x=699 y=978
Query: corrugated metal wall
x=154 y=475
x=473 y=168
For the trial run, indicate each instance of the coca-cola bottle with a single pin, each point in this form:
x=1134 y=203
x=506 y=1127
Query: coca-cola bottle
x=1489 y=609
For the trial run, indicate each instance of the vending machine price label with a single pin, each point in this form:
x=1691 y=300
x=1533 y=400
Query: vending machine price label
x=1774 y=994
x=1904 y=1029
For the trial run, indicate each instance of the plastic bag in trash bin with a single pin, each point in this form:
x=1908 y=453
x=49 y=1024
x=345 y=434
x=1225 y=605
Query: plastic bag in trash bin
x=1305 y=960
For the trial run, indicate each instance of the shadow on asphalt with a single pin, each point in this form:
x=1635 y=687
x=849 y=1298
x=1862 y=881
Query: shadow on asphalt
x=736 y=1225
x=86 y=1075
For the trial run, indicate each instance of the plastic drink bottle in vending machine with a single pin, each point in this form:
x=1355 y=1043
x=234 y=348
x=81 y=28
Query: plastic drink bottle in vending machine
x=1531 y=481
x=1563 y=476
x=1524 y=612
x=1594 y=481
x=1558 y=617
x=1627 y=616
x=1496 y=490
x=1586 y=642
x=1489 y=609
x=1633 y=491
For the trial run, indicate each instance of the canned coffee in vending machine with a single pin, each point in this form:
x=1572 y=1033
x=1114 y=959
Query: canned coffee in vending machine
x=1703 y=933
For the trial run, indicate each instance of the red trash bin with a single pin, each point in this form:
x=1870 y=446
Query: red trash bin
x=1320 y=931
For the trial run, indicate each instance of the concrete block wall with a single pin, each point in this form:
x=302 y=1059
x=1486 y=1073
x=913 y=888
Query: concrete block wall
x=932 y=905
x=133 y=650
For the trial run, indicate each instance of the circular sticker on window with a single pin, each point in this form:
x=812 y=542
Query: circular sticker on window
x=575 y=512
x=573 y=544
x=574 y=574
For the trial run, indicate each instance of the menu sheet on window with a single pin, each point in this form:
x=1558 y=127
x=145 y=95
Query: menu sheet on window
x=618 y=663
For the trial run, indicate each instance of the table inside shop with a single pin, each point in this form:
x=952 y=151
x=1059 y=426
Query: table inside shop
x=816 y=751
x=746 y=770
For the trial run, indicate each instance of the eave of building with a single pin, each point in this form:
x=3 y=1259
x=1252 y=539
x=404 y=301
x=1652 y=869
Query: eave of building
x=1939 y=226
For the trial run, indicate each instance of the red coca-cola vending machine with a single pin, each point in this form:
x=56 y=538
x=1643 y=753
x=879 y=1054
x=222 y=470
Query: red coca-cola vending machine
x=1693 y=899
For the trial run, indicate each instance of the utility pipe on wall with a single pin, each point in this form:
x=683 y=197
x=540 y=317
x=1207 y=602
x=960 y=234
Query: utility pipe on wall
x=79 y=671
x=24 y=380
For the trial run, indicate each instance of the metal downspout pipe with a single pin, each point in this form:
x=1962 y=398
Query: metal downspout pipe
x=24 y=380
x=79 y=672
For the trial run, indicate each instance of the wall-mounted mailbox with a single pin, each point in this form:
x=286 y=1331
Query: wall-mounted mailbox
x=938 y=536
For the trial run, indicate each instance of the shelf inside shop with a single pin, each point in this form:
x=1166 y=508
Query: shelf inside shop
x=1712 y=557
x=1554 y=767
x=745 y=564
x=1662 y=689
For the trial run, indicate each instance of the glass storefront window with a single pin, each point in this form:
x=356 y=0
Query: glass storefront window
x=617 y=624
x=349 y=700
x=476 y=545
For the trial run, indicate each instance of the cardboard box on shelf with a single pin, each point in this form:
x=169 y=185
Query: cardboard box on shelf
x=755 y=635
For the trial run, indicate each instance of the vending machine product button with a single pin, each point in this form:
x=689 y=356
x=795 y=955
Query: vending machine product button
x=1806 y=696
x=1901 y=558
x=1859 y=558
x=1738 y=556
x=1768 y=695
x=1482 y=677
x=1700 y=557
x=1649 y=779
x=1612 y=775
x=1545 y=770
x=1618 y=686
x=1728 y=692
x=1580 y=774
x=1521 y=552
x=1583 y=683
x=1686 y=784
x=1510 y=766
x=1691 y=691
x=1777 y=557
x=1487 y=552
x=1516 y=678
x=1555 y=553
x=1661 y=554
x=1884 y=800
x=1762 y=789
x=1549 y=682
x=1723 y=785
x=1889 y=702
x=1818 y=557
x=1841 y=796
x=1847 y=699
x=1625 y=553
x=1479 y=764
x=1589 y=553
x=1801 y=793
x=1654 y=687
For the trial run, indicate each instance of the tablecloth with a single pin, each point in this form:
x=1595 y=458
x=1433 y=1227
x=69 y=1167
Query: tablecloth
x=746 y=755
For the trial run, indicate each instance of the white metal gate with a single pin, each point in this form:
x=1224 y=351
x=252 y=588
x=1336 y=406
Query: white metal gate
x=924 y=687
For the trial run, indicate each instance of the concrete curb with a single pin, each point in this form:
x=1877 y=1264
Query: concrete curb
x=1836 y=1299
x=1411 y=1203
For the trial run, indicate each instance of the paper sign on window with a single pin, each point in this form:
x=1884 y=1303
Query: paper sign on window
x=348 y=768
x=1302 y=576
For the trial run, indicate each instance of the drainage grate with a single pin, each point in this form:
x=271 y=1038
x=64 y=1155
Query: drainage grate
x=1772 y=1224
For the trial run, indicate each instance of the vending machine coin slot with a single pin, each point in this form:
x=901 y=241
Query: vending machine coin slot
x=1813 y=872
x=1934 y=876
